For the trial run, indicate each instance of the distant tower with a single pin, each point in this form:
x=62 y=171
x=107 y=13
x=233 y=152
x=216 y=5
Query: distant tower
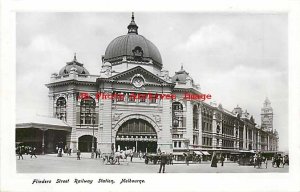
x=267 y=115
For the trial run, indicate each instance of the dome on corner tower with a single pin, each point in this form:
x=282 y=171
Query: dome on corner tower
x=133 y=47
x=74 y=66
x=181 y=76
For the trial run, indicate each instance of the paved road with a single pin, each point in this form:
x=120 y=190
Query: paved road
x=66 y=164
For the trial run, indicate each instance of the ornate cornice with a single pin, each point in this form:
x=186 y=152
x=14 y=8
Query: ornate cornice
x=69 y=82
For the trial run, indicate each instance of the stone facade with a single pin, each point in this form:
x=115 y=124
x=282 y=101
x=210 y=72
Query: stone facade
x=173 y=124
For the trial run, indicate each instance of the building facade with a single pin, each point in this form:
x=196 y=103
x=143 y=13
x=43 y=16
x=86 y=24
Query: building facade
x=134 y=103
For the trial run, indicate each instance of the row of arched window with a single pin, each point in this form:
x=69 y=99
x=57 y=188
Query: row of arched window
x=88 y=113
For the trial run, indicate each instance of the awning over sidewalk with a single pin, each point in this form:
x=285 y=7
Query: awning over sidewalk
x=205 y=153
x=43 y=123
x=244 y=151
x=197 y=152
x=177 y=153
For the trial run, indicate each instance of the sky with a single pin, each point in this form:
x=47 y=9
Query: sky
x=240 y=59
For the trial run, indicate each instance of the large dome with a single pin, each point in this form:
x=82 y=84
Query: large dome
x=133 y=46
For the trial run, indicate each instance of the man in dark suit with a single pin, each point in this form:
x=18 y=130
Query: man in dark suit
x=222 y=160
x=163 y=161
x=78 y=154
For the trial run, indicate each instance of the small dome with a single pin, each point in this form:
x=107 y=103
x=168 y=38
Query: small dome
x=75 y=66
x=181 y=76
x=132 y=46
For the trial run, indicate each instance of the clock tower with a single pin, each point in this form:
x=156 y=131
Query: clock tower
x=267 y=115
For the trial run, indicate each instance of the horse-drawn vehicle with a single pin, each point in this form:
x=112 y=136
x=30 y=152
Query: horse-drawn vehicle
x=253 y=159
x=152 y=157
x=156 y=157
x=114 y=158
x=246 y=158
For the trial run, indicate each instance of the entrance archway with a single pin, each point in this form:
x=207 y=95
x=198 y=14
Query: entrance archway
x=138 y=134
x=85 y=143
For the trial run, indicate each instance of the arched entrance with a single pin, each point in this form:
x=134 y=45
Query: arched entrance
x=85 y=143
x=138 y=134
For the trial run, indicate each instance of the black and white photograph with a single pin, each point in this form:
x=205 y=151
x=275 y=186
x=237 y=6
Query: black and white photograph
x=151 y=93
x=120 y=98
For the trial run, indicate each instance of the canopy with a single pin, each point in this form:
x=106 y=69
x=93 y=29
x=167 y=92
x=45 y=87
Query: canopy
x=197 y=152
x=205 y=153
x=177 y=153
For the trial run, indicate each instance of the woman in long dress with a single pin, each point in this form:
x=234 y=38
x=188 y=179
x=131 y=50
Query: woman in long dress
x=214 y=160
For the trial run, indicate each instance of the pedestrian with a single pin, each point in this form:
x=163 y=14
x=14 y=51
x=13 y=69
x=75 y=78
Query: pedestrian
x=70 y=151
x=171 y=159
x=66 y=149
x=59 y=154
x=214 y=160
x=222 y=160
x=200 y=157
x=140 y=154
x=187 y=158
x=275 y=159
x=163 y=161
x=99 y=153
x=78 y=154
x=131 y=156
x=96 y=152
x=279 y=159
x=266 y=161
x=158 y=151
x=33 y=151
x=20 y=152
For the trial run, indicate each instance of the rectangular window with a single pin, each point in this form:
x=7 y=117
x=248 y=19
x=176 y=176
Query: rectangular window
x=131 y=97
x=87 y=120
x=120 y=97
x=142 y=97
x=179 y=144
x=152 y=99
x=175 y=144
x=204 y=140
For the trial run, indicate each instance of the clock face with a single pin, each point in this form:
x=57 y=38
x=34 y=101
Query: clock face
x=138 y=81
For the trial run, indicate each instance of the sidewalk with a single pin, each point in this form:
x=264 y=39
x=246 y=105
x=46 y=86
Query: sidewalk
x=135 y=159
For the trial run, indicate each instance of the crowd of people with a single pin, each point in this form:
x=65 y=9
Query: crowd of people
x=279 y=159
x=25 y=150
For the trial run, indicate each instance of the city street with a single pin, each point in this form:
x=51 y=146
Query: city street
x=69 y=164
